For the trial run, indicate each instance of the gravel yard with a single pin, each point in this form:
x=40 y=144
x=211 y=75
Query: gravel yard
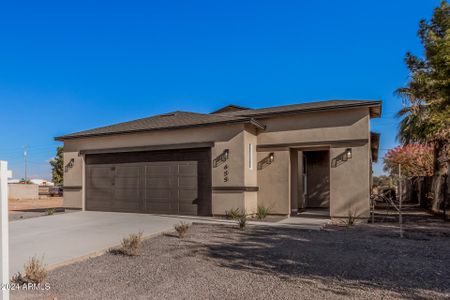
x=219 y=262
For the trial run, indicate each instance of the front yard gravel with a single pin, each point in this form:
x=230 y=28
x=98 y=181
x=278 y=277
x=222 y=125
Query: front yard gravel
x=223 y=262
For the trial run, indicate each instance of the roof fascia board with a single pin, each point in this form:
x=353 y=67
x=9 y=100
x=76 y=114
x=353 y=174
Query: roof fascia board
x=242 y=120
x=297 y=111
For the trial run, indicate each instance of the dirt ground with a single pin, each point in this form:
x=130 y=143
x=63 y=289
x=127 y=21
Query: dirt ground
x=219 y=261
x=30 y=208
x=29 y=204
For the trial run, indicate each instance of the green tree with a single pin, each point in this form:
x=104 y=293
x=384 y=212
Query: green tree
x=426 y=98
x=382 y=181
x=57 y=164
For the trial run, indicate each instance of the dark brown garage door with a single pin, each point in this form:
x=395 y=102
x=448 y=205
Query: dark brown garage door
x=171 y=187
x=169 y=182
x=155 y=187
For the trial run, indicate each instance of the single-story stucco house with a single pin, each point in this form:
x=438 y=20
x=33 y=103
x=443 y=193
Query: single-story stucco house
x=286 y=158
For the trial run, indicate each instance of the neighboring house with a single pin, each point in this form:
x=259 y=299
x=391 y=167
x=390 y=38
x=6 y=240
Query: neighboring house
x=286 y=158
x=42 y=182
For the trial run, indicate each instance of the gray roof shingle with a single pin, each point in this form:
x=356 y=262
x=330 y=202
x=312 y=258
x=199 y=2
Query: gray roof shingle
x=181 y=119
x=172 y=120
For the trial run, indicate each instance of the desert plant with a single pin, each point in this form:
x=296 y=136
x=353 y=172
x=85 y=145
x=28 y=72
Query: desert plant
x=34 y=270
x=351 y=219
x=182 y=229
x=241 y=217
x=232 y=213
x=262 y=212
x=242 y=220
x=131 y=245
x=50 y=211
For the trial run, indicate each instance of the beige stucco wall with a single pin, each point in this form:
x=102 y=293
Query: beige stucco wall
x=348 y=182
x=225 y=201
x=72 y=176
x=73 y=199
x=274 y=183
x=159 y=137
x=73 y=180
x=316 y=127
x=225 y=137
x=234 y=165
x=239 y=174
x=23 y=191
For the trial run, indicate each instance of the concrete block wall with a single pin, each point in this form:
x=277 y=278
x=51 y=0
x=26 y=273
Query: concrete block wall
x=23 y=191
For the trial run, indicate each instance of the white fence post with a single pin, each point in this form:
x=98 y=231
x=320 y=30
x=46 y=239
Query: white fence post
x=4 y=242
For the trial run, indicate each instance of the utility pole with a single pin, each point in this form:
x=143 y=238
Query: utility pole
x=25 y=159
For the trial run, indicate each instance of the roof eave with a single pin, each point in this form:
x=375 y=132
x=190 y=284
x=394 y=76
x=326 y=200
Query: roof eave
x=374 y=107
x=243 y=120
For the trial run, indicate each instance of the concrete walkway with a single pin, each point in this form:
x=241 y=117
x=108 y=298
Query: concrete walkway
x=65 y=238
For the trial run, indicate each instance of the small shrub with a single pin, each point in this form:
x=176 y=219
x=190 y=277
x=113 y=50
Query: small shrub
x=182 y=229
x=261 y=212
x=50 y=211
x=351 y=219
x=242 y=221
x=35 y=272
x=130 y=245
x=233 y=213
x=241 y=217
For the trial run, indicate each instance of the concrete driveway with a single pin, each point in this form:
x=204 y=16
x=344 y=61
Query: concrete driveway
x=67 y=237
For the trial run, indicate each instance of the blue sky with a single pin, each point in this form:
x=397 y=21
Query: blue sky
x=66 y=66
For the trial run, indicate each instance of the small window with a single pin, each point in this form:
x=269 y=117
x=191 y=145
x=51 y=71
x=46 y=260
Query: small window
x=250 y=156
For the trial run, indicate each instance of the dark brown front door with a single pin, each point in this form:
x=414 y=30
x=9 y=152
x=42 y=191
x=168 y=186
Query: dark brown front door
x=317 y=176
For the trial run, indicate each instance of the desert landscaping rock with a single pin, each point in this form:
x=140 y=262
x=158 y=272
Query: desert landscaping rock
x=223 y=262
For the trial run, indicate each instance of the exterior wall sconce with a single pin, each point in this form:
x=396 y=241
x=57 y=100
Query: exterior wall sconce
x=69 y=165
x=348 y=153
x=266 y=161
x=223 y=157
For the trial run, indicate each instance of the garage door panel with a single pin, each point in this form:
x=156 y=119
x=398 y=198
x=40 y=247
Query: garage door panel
x=127 y=183
x=127 y=194
x=130 y=206
x=100 y=182
x=187 y=182
x=160 y=207
x=188 y=209
x=99 y=194
x=155 y=187
x=158 y=194
x=154 y=182
x=187 y=169
x=158 y=169
x=99 y=202
x=103 y=171
x=127 y=171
